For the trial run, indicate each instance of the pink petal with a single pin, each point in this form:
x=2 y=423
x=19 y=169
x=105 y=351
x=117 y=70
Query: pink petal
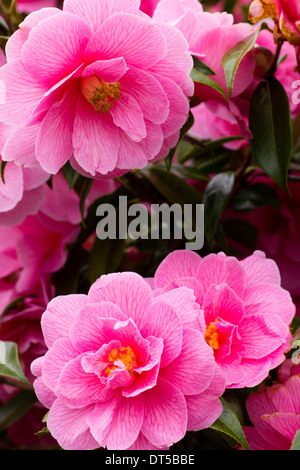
x=20 y=146
x=179 y=107
x=116 y=424
x=55 y=359
x=140 y=42
x=182 y=299
x=43 y=393
x=260 y=270
x=94 y=325
x=108 y=70
x=205 y=408
x=218 y=269
x=192 y=370
x=258 y=404
x=11 y=191
x=50 y=57
x=126 y=290
x=165 y=414
x=180 y=263
x=131 y=154
x=95 y=12
x=259 y=337
x=69 y=427
x=19 y=94
x=17 y=40
x=95 y=139
x=54 y=144
x=59 y=316
x=286 y=424
x=77 y=388
x=29 y=205
x=128 y=115
x=162 y=321
x=148 y=92
x=177 y=59
x=266 y=298
x=222 y=302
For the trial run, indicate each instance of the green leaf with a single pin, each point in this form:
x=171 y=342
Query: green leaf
x=15 y=408
x=84 y=192
x=186 y=127
x=9 y=361
x=202 y=67
x=200 y=77
x=270 y=124
x=256 y=195
x=229 y=424
x=232 y=59
x=172 y=187
x=296 y=441
x=71 y=175
x=105 y=257
x=216 y=197
x=66 y=279
x=3 y=165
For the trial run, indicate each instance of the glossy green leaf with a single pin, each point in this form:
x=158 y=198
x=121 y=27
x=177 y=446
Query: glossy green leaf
x=296 y=441
x=229 y=424
x=200 y=77
x=270 y=124
x=233 y=58
x=105 y=257
x=71 y=175
x=215 y=199
x=15 y=408
x=254 y=196
x=202 y=67
x=3 y=165
x=9 y=361
x=174 y=188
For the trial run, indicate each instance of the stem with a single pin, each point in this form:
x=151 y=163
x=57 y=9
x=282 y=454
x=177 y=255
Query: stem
x=273 y=68
x=7 y=18
x=14 y=383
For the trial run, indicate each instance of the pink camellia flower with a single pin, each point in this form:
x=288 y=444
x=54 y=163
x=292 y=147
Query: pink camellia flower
x=210 y=36
x=247 y=313
x=275 y=414
x=28 y=6
x=286 y=14
x=125 y=370
x=113 y=99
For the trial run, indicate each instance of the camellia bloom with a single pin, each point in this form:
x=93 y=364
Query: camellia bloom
x=108 y=92
x=285 y=13
x=247 y=313
x=125 y=370
x=275 y=414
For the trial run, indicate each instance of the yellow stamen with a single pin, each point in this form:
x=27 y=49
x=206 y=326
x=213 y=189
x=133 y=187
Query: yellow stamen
x=211 y=336
x=126 y=355
x=100 y=94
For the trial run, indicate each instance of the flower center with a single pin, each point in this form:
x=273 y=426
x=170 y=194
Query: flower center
x=211 y=336
x=125 y=355
x=100 y=94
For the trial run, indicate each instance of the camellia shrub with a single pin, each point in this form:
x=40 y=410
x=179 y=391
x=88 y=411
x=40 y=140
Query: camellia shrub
x=150 y=225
